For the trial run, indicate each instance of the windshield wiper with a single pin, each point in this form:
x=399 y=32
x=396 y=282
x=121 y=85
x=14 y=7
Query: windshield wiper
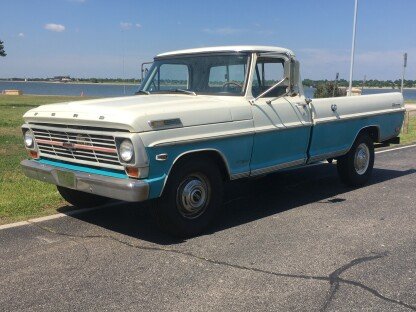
x=184 y=91
x=142 y=92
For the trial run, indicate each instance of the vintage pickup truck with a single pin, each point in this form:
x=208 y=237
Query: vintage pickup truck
x=200 y=118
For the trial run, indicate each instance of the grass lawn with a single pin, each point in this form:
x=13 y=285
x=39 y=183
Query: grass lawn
x=409 y=134
x=22 y=198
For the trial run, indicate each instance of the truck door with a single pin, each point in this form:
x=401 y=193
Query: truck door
x=282 y=122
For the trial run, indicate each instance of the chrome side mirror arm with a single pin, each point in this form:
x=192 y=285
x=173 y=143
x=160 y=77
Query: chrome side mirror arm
x=268 y=90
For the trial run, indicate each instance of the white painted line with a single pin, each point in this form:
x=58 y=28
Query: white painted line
x=46 y=218
x=56 y=216
x=12 y=225
x=395 y=149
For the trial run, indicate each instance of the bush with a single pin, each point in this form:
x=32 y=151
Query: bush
x=326 y=90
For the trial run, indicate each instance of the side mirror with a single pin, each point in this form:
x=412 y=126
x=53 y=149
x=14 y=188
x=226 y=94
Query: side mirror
x=295 y=74
x=292 y=72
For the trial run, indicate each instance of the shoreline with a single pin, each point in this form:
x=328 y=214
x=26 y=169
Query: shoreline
x=136 y=84
x=76 y=83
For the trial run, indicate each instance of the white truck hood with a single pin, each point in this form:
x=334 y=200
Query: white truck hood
x=134 y=112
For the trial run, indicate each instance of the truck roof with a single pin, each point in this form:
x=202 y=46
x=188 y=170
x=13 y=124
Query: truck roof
x=242 y=48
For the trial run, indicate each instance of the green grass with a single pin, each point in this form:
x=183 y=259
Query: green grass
x=409 y=134
x=22 y=198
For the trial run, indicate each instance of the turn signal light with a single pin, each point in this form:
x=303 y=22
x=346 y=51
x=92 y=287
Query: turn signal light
x=34 y=154
x=133 y=172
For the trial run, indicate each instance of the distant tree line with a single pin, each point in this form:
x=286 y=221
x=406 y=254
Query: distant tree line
x=371 y=83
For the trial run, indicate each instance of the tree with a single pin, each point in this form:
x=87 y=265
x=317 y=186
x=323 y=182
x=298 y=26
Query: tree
x=2 y=52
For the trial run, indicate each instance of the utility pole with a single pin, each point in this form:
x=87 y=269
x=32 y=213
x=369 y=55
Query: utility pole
x=404 y=67
x=335 y=84
x=353 y=46
x=362 y=86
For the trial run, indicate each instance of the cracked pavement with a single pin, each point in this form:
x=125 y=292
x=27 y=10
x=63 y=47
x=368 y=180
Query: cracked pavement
x=292 y=241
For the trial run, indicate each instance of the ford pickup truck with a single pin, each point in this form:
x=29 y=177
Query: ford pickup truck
x=202 y=117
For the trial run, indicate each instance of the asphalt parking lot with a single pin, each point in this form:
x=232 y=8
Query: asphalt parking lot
x=292 y=241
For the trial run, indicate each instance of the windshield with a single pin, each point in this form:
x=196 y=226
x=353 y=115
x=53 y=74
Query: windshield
x=221 y=74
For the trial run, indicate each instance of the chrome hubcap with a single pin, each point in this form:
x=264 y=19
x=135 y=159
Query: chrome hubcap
x=193 y=196
x=362 y=158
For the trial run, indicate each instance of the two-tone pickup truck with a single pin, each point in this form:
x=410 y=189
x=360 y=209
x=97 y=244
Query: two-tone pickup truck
x=200 y=118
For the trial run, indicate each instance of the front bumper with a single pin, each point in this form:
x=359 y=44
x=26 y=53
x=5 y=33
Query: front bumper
x=122 y=189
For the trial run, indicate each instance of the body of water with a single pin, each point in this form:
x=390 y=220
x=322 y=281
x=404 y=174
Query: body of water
x=47 y=88
x=109 y=90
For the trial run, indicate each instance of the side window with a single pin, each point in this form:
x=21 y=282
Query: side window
x=228 y=77
x=268 y=71
x=170 y=76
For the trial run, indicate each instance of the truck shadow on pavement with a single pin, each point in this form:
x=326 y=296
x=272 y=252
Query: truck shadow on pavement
x=244 y=201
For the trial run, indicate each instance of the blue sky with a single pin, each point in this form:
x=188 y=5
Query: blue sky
x=88 y=38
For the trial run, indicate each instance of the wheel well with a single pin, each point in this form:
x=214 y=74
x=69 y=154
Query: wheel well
x=372 y=131
x=212 y=155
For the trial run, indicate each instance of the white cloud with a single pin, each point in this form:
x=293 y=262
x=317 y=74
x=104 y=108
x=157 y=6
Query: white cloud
x=129 y=25
x=125 y=25
x=224 y=31
x=21 y=35
x=54 y=27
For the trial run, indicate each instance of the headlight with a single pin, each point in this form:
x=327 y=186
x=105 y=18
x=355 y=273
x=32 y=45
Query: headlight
x=126 y=151
x=29 y=139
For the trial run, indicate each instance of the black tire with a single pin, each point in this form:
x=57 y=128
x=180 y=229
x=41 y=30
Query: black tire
x=182 y=210
x=353 y=168
x=81 y=199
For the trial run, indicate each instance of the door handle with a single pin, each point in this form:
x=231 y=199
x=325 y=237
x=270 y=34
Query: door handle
x=301 y=105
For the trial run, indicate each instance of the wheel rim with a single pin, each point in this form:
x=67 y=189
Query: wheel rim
x=362 y=158
x=193 y=196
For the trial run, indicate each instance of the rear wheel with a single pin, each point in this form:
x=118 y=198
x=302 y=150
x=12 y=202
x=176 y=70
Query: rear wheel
x=356 y=166
x=192 y=195
x=81 y=199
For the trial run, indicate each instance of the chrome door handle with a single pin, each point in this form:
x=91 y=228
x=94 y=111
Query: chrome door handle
x=301 y=105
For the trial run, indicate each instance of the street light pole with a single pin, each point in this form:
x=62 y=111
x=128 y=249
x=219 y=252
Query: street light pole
x=404 y=67
x=353 y=46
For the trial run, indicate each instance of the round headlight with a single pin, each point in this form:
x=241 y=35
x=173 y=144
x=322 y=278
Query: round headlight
x=126 y=151
x=29 y=139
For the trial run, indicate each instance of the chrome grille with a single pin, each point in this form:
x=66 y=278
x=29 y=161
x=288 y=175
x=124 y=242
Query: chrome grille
x=78 y=147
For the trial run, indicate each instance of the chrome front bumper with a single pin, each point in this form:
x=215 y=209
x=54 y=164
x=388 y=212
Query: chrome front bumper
x=122 y=189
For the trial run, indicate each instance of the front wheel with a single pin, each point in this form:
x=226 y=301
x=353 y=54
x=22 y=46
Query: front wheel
x=356 y=166
x=192 y=195
x=81 y=199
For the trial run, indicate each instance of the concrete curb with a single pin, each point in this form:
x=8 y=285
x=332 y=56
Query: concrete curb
x=51 y=217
